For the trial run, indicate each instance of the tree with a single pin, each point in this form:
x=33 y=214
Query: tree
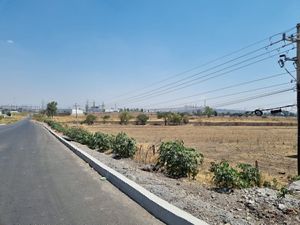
x=125 y=117
x=175 y=118
x=142 y=119
x=51 y=109
x=105 y=118
x=208 y=111
x=90 y=119
x=165 y=116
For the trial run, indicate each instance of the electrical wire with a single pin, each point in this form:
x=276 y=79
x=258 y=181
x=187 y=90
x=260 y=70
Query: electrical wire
x=179 y=87
x=217 y=59
x=223 y=88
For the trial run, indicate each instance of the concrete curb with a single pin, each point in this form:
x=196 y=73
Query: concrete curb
x=158 y=207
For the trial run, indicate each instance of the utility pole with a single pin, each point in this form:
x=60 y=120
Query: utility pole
x=296 y=61
x=298 y=94
x=76 y=110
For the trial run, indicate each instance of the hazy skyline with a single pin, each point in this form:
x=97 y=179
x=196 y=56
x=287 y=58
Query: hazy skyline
x=73 y=51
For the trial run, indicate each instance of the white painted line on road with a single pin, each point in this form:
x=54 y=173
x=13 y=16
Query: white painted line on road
x=158 y=207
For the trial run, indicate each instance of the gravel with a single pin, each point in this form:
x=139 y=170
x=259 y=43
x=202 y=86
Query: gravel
x=239 y=207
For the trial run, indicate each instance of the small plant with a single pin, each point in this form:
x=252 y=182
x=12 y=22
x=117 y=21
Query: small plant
x=244 y=176
x=125 y=117
x=102 y=142
x=123 y=146
x=142 y=119
x=90 y=119
x=178 y=160
x=295 y=178
x=249 y=176
x=273 y=184
x=283 y=192
x=224 y=175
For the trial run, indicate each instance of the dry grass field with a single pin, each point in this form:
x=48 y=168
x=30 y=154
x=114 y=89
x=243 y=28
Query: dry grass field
x=274 y=147
x=13 y=118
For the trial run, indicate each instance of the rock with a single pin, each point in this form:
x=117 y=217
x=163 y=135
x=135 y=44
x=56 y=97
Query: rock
x=281 y=206
x=148 y=168
x=295 y=186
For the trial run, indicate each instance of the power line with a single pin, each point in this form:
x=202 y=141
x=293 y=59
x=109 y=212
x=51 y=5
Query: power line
x=223 y=88
x=233 y=102
x=217 y=59
x=232 y=94
x=188 y=84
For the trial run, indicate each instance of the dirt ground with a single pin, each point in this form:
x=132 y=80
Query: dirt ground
x=273 y=147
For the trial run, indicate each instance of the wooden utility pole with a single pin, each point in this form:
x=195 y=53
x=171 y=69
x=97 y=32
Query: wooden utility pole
x=298 y=93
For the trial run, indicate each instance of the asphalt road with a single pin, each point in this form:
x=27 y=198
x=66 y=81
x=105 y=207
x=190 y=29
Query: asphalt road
x=43 y=182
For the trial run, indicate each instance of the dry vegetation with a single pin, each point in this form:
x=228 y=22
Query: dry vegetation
x=274 y=147
x=13 y=118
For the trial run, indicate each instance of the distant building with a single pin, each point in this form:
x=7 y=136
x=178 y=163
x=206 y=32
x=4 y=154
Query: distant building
x=77 y=112
x=70 y=111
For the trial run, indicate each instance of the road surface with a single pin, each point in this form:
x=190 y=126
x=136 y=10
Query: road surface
x=43 y=182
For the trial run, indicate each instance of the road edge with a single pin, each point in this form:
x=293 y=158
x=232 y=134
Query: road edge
x=158 y=207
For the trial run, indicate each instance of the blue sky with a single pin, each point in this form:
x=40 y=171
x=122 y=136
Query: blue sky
x=73 y=51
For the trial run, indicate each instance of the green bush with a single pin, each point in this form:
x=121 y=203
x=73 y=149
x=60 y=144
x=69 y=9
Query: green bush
x=224 y=175
x=142 y=119
x=244 y=176
x=178 y=160
x=90 y=119
x=249 y=176
x=175 y=118
x=125 y=117
x=102 y=142
x=80 y=135
x=55 y=125
x=185 y=119
x=105 y=118
x=123 y=146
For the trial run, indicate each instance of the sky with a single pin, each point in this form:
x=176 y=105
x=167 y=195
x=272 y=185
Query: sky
x=115 y=51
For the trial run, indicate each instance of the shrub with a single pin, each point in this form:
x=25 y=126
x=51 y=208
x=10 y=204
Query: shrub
x=39 y=117
x=125 y=117
x=123 y=146
x=295 y=178
x=178 y=160
x=105 y=118
x=102 y=142
x=55 y=125
x=80 y=135
x=185 y=119
x=249 y=176
x=165 y=116
x=142 y=119
x=244 y=176
x=90 y=119
x=175 y=118
x=224 y=175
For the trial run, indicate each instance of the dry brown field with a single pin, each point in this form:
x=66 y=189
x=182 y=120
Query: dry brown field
x=273 y=147
x=13 y=118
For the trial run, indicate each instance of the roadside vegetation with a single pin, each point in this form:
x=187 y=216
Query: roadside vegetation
x=173 y=158
x=9 y=118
